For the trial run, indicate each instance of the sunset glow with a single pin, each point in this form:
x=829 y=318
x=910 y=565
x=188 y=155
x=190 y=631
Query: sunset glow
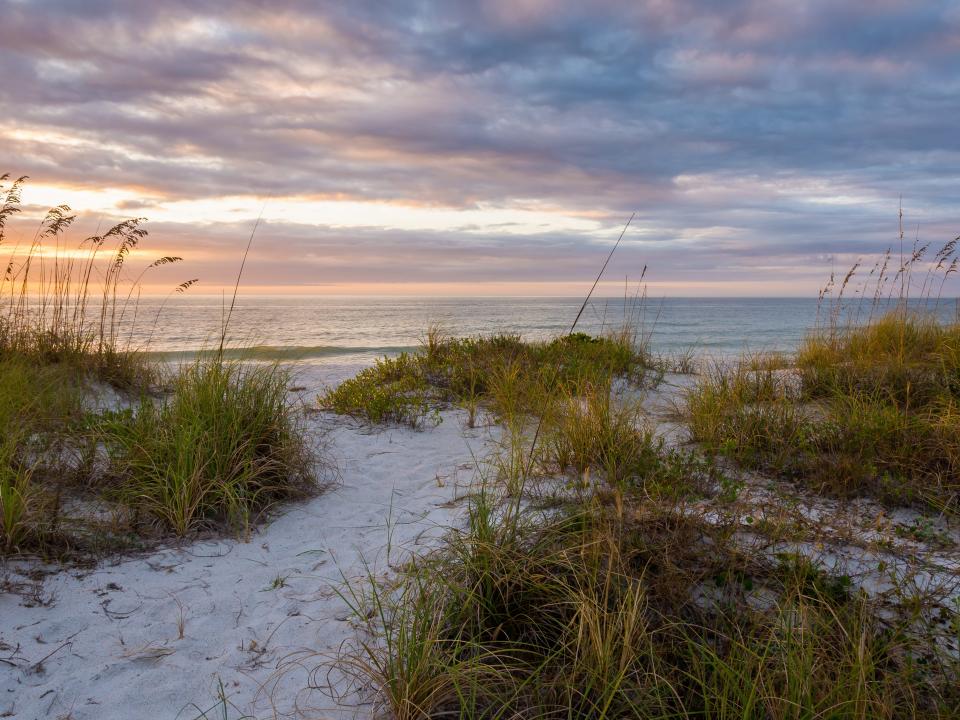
x=494 y=147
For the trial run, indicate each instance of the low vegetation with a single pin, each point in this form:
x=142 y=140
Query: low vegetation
x=646 y=590
x=222 y=447
x=623 y=608
x=211 y=444
x=502 y=372
x=869 y=402
x=567 y=407
x=646 y=587
x=593 y=435
x=39 y=409
x=871 y=408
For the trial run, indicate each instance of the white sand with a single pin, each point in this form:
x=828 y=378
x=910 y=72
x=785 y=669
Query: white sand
x=108 y=646
x=262 y=616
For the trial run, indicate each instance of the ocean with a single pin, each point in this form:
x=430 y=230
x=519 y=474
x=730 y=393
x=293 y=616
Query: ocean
x=315 y=328
x=352 y=331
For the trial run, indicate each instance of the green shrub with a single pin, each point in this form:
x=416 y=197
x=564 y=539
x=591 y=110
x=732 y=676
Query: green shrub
x=392 y=390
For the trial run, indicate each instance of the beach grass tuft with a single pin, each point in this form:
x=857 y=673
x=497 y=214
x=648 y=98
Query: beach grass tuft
x=629 y=609
x=501 y=371
x=872 y=409
x=870 y=402
x=223 y=447
x=39 y=408
x=213 y=444
x=72 y=306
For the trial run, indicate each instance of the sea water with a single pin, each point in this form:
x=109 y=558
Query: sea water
x=355 y=330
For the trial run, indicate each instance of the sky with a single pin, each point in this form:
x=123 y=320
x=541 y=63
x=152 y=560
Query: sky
x=490 y=147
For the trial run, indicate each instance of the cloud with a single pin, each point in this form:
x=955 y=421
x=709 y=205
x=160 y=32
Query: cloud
x=749 y=135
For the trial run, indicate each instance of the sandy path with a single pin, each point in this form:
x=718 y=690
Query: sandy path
x=259 y=616
x=113 y=637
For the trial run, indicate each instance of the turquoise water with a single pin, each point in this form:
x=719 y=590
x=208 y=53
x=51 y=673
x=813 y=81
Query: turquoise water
x=354 y=330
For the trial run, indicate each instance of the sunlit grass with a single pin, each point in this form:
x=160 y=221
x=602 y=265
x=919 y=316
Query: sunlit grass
x=872 y=409
x=73 y=305
x=502 y=372
x=211 y=446
x=870 y=403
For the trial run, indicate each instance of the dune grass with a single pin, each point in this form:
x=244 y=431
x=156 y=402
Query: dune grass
x=567 y=408
x=870 y=402
x=872 y=409
x=626 y=609
x=39 y=409
x=223 y=447
x=502 y=372
x=212 y=445
x=73 y=306
x=596 y=437
x=639 y=595
x=649 y=592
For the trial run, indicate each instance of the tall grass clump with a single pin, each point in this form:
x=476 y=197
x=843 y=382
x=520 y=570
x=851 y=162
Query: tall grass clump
x=566 y=407
x=503 y=372
x=73 y=305
x=753 y=415
x=223 y=447
x=630 y=610
x=212 y=444
x=598 y=438
x=871 y=401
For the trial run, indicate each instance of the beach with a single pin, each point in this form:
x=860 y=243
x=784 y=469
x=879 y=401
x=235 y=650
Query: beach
x=258 y=619
x=258 y=626
x=500 y=360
